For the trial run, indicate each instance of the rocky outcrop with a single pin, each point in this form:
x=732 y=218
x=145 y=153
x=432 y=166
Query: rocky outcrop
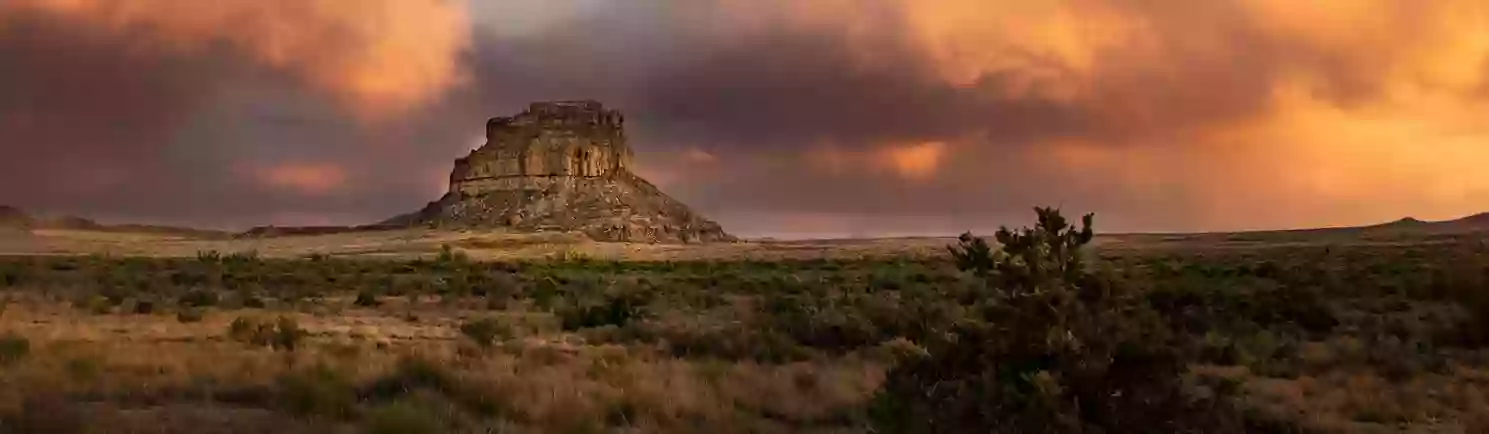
x=561 y=166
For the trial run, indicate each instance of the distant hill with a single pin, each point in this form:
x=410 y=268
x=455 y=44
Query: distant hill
x=1478 y=221
x=1408 y=222
x=283 y=231
x=1404 y=226
x=1474 y=223
x=166 y=230
x=68 y=222
x=14 y=218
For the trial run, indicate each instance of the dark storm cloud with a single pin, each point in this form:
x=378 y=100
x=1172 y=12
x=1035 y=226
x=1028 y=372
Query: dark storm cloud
x=101 y=124
x=896 y=115
x=82 y=111
x=1188 y=123
x=790 y=88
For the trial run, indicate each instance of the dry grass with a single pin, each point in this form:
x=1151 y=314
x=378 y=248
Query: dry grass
x=1364 y=402
x=480 y=245
x=138 y=367
x=748 y=341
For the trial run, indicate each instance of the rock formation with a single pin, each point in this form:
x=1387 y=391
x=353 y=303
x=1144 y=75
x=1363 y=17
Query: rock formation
x=561 y=166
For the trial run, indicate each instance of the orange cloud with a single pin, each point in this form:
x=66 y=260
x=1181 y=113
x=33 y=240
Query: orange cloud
x=308 y=178
x=1367 y=110
x=1430 y=43
x=915 y=162
x=378 y=57
x=1044 y=42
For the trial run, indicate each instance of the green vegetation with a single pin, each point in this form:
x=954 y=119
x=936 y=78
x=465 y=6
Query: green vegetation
x=485 y=331
x=1039 y=331
x=403 y=418
x=13 y=348
x=284 y=333
x=1048 y=346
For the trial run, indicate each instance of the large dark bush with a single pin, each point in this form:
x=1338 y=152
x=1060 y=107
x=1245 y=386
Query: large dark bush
x=1052 y=347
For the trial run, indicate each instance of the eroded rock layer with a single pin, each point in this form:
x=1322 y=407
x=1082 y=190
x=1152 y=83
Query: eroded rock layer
x=561 y=166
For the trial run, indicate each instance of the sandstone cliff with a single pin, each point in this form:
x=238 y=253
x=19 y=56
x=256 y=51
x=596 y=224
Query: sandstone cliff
x=561 y=166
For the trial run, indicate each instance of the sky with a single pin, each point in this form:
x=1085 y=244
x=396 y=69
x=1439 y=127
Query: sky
x=774 y=117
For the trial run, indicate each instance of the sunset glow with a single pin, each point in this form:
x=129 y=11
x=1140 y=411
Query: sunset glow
x=1165 y=115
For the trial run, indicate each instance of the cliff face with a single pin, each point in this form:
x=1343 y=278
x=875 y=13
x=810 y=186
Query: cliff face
x=549 y=141
x=562 y=166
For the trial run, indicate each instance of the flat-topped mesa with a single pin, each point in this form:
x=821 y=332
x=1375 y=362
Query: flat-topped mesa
x=561 y=166
x=543 y=145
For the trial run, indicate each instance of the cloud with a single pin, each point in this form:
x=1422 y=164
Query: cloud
x=309 y=178
x=908 y=162
x=1161 y=115
x=773 y=116
x=376 y=56
x=148 y=111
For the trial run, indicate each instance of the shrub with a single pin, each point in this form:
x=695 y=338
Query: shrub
x=13 y=348
x=189 y=315
x=9 y=278
x=485 y=331
x=545 y=293
x=501 y=287
x=95 y=304
x=973 y=253
x=449 y=257
x=198 y=298
x=367 y=299
x=84 y=368
x=412 y=374
x=574 y=255
x=287 y=334
x=242 y=329
x=403 y=418
x=1467 y=286
x=1054 y=347
x=614 y=310
x=242 y=257
x=283 y=334
x=209 y=257
x=144 y=307
x=319 y=391
x=418 y=378
x=45 y=413
x=253 y=302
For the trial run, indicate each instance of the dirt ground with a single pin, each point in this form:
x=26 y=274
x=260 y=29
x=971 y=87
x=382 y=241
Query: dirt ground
x=742 y=342
x=482 y=245
x=499 y=245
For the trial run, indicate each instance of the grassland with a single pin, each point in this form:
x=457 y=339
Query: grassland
x=407 y=332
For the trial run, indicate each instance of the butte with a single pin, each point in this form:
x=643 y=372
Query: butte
x=561 y=166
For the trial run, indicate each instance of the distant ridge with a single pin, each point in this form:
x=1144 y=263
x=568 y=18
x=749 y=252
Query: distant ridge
x=1407 y=222
x=13 y=218
x=1480 y=218
x=1473 y=223
x=284 y=231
